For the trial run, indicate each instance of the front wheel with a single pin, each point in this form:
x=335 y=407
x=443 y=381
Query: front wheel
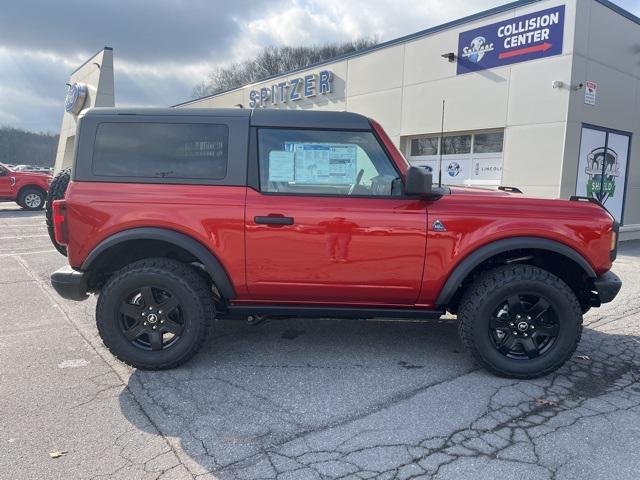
x=155 y=314
x=520 y=321
x=32 y=199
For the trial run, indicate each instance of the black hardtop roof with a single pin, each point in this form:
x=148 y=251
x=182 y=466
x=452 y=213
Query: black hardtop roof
x=309 y=119
x=170 y=112
x=258 y=118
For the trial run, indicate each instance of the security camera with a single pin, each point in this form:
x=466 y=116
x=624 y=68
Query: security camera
x=557 y=84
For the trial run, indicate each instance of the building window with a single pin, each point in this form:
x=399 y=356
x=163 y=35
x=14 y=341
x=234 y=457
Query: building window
x=473 y=158
x=424 y=146
x=456 y=144
x=488 y=142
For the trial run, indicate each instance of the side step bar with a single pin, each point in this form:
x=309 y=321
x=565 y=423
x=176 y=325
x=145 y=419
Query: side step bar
x=329 y=312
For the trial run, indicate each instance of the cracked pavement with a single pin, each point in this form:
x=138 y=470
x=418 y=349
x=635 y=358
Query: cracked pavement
x=303 y=399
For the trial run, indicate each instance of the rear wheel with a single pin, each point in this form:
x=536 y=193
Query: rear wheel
x=155 y=313
x=520 y=321
x=32 y=198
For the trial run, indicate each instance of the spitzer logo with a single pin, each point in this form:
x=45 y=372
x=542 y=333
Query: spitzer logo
x=476 y=49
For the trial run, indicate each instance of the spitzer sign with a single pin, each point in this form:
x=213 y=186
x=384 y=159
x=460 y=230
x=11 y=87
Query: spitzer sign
x=518 y=39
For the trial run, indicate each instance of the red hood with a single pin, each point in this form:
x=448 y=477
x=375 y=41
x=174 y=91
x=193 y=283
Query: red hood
x=30 y=174
x=552 y=206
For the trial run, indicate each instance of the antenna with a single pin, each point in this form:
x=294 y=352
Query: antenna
x=441 y=138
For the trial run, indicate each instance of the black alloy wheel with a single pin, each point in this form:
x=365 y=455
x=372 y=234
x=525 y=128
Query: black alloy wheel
x=520 y=321
x=155 y=313
x=151 y=319
x=524 y=326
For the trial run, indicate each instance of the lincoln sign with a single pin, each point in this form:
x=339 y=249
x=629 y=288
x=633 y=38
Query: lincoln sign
x=292 y=90
x=519 y=39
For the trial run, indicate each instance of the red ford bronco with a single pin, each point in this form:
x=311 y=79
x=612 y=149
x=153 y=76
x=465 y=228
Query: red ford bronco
x=176 y=217
x=27 y=189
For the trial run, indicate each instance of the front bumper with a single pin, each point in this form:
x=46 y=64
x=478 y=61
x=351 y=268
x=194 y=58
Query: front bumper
x=69 y=283
x=607 y=286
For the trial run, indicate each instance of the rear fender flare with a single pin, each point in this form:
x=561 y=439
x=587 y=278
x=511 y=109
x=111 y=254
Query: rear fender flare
x=470 y=262
x=211 y=263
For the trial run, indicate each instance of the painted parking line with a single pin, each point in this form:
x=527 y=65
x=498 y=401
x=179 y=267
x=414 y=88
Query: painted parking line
x=4 y=227
x=21 y=225
x=20 y=237
x=26 y=253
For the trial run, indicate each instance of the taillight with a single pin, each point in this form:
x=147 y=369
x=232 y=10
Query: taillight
x=60 y=222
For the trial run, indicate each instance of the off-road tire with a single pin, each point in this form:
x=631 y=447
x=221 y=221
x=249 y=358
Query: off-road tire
x=32 y=191
x=57 y=189
x=483 y=296
x=191 y=290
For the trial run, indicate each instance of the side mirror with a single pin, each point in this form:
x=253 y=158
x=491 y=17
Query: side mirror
x=418 y=182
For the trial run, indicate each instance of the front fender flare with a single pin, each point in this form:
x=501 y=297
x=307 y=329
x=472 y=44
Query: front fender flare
x=471 y=261
x=194 y=247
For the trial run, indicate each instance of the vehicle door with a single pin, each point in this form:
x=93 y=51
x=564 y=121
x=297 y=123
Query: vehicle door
x=327 y=221
x=5 y=182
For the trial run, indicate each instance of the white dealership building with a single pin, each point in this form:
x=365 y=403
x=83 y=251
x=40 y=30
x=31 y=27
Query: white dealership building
x=542 y=95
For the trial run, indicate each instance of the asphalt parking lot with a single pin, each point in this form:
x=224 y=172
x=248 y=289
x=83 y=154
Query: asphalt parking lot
x=302 y=399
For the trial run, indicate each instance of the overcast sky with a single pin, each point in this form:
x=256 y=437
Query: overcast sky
x=162 y=48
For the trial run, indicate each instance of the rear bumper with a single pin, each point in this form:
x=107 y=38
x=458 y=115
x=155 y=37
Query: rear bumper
x=69 y=283
x=607 y=286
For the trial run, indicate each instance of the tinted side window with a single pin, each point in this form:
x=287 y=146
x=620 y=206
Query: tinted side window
x=424 y=146
x=456 y=144
x=161 y=150
x=488 y=142
x=324 y=162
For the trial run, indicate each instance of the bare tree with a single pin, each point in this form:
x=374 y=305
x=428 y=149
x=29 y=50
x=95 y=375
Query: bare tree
x=274 y=61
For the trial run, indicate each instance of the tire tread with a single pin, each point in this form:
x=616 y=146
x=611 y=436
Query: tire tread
x=178 y=272
x=57 y=190
x=489 y=281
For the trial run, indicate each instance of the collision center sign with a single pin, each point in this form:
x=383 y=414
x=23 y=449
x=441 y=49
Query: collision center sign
x=519 y=39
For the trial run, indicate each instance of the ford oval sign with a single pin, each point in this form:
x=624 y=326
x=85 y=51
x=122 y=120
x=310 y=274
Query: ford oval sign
x=76 y=96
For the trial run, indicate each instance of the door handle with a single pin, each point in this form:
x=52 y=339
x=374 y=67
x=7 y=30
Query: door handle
x=273 y=220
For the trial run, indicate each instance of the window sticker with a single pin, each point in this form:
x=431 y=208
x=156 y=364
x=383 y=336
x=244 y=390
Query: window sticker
x=324 y=163
x=281 y=166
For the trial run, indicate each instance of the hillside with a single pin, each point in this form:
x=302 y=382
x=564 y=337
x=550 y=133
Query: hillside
x=30 y=148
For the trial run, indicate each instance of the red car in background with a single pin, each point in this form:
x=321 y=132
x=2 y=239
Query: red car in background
x=27 y=189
